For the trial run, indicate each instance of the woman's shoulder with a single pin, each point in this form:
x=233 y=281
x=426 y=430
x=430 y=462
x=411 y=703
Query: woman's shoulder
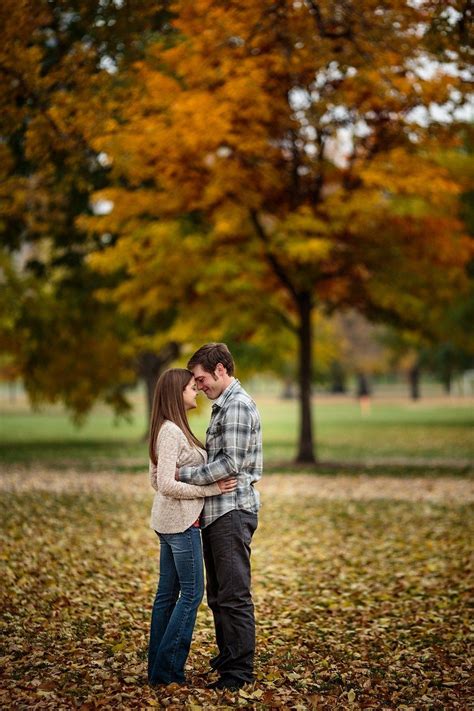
x=171 y=429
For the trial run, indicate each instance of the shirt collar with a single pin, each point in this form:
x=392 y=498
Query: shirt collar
x=219 y=402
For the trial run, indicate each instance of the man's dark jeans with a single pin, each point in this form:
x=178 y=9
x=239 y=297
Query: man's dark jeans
x=226 y=544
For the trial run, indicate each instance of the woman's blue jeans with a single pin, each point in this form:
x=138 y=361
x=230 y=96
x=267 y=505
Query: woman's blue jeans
x=179 y=594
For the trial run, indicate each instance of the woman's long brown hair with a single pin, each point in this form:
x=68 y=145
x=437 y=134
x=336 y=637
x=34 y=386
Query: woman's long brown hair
x=168 y=404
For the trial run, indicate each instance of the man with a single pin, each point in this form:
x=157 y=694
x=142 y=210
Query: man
x=234 y=447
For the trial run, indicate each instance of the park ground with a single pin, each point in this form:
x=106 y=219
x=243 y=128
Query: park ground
x=362 y=565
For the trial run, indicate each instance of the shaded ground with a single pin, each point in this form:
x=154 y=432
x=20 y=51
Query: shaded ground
x=361 y=585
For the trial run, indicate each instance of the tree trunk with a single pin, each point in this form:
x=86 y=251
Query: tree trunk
x=288 y=392
x=447 y=381
x=149 y=378
x=12 y=391
x=414 y=382
x=337 y=379
x=150 y=367
x=363 y=387
x=363 y=393
x=306 y=448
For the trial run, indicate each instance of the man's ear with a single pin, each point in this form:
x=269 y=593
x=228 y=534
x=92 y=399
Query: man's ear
x=220 y=369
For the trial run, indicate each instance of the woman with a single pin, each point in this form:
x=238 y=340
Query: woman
x=175 y=518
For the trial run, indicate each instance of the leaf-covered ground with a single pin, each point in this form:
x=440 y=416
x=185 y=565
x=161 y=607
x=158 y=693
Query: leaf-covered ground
x=362 y=588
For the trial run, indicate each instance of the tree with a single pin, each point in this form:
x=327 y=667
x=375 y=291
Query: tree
x=453 y=350
x=291 y=147
x=58 y=59
x=362 y=352
x=446 y=349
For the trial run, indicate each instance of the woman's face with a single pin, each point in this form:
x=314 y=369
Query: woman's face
x=189 y=395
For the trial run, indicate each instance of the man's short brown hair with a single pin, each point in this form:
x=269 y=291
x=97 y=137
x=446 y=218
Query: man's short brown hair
x=210 y=355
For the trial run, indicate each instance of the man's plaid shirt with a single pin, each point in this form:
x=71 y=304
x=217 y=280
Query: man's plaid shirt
x=234 y=448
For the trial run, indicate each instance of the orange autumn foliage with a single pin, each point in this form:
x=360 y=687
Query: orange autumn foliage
x=282 y=157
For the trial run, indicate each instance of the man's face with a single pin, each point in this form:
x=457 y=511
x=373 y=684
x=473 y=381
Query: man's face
x=211 y=384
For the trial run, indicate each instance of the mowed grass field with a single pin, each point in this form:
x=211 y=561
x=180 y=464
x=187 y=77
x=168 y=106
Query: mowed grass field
x=362 y=566
x=396 y=431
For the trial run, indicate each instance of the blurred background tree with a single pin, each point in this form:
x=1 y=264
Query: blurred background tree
x=276 y=159
x=175 y=173
x=446 y=349
x=57 y=61
x=363 y=352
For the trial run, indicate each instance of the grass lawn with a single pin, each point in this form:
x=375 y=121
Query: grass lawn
x=361 y=588
x=397 y=432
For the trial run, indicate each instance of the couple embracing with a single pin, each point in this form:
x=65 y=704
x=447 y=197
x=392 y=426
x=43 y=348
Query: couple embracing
x=204 y=501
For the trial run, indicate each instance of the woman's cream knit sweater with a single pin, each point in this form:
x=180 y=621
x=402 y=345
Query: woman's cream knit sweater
x=176 y=505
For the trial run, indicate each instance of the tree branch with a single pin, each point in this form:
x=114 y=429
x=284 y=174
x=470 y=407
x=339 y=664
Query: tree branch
x=465 y=21
x=321 y=25
x=271 y=258
x=42 y=105
x=287 y=323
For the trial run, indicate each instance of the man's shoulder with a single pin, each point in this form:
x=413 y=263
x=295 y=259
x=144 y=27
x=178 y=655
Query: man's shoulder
x=240 y=398
x=238 y=394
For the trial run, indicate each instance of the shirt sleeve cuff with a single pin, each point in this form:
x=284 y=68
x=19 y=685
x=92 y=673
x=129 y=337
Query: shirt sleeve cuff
x=185 y=475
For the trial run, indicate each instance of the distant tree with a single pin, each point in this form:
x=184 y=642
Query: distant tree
x=405 y=356
x=337 y=378
x=363 y=353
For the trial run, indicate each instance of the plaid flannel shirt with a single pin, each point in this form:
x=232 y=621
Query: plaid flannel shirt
x=234 y=448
